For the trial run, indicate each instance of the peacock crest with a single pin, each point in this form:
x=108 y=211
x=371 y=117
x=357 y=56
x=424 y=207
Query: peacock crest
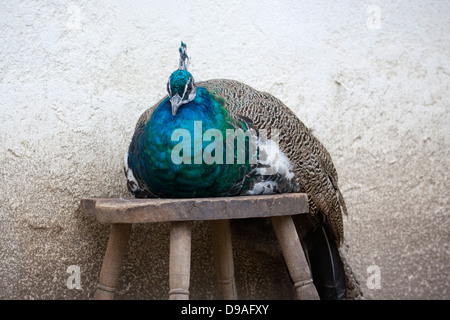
x=184 y=58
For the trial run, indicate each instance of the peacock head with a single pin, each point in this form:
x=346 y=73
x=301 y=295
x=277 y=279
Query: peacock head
x=181 y=85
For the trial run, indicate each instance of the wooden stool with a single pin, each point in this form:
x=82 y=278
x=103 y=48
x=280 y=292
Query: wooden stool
x=121 y=213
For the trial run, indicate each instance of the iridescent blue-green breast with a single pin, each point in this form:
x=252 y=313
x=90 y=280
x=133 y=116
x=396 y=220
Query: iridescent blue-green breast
x=155 y=150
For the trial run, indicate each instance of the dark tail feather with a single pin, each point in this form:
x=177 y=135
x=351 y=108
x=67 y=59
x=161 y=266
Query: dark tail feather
x=326 y=266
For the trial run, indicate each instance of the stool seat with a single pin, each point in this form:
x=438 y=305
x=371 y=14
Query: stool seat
x=121 y=213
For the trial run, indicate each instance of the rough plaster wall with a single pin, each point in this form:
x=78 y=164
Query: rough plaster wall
x=75 y=76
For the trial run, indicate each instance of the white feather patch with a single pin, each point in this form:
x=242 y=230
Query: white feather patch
x=263 y=187
x=272 y=162
x=130 y=175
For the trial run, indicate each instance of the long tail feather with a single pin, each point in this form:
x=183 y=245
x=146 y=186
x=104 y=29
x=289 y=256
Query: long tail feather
x=326 y=266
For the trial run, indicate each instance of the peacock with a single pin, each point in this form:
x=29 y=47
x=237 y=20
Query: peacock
x=224 y=138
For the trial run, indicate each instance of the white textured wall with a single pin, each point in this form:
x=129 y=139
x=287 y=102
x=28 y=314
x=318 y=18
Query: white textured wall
x=75 y=76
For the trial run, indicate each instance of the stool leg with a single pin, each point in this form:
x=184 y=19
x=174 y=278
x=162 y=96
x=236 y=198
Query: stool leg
x=180 y=260
x=223 y=259
x=295 y=258
x=112 y=262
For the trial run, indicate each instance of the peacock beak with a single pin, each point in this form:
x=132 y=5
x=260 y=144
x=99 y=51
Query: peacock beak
x=175 y=101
